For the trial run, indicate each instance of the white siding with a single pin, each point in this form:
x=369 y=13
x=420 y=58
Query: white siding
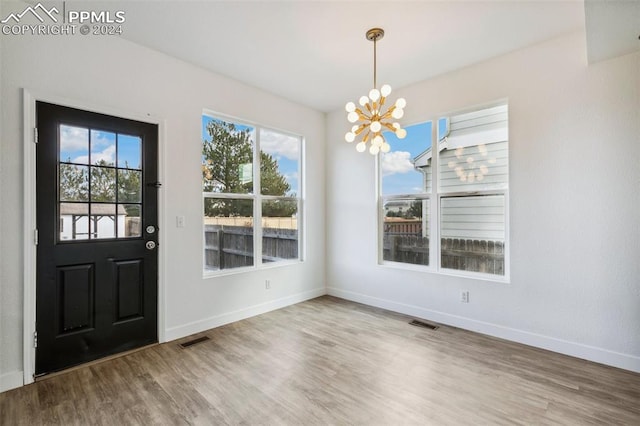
x=494 y=156
x=475 y=218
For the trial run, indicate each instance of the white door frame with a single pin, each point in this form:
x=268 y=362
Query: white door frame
x=30 y=97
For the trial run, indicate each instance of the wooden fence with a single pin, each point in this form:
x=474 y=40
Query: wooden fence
x=229 y=247
x=467 y=255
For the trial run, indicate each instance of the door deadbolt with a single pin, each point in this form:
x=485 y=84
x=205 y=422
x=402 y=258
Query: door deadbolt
x=151 y=229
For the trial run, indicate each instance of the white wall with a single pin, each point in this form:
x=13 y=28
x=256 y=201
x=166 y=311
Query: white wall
x=574 y=188
x=113 y=73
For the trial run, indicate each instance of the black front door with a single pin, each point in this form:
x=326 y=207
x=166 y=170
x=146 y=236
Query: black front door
x=97 y=261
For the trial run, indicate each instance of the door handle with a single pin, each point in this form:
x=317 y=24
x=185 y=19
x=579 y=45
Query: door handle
x=150 y=245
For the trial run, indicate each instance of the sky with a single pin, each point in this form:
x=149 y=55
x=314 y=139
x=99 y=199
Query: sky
x=76 y=142
x=281 y=146
x=398 y=174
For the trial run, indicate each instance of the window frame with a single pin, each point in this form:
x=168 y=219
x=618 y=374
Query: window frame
x=434 y=198
x=257 y=199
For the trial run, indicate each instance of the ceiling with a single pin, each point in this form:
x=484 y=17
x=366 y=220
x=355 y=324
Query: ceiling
x=316 y=54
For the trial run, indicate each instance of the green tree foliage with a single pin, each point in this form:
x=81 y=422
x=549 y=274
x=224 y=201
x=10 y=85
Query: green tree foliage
x=74 y=185
x=228 y=151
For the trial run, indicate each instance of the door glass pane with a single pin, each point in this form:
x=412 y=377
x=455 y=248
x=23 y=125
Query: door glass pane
x=103 y=184
x=279 y=230
x=405 y=235
x=129 y=186
x=74 y=144
x=74 y=182
x=227 y=157
x=74 y=221
x=228 y=228
x=103 y=148
x=103 y=218
x=129 y=152
x=129 y=224
x=279 y=158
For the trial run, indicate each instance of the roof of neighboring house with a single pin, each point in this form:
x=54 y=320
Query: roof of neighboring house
x=82 y=209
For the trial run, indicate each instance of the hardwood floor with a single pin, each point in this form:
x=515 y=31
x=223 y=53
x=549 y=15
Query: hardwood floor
x=330 y=361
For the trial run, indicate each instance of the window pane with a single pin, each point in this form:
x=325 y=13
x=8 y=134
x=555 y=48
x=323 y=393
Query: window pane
x=129 y=152
x=74 y=221
x=74 y=144
x=474 y=151
x=103 y=148
x=102 y=222
x=406 y=230
x=279 y=157
x=228 y=233
x=279 y=230
x=227 y=157
x=406 y=168
x=130 y=226
x=473 y=233
x=129 y=186
x=103 y=184
x=74 y=183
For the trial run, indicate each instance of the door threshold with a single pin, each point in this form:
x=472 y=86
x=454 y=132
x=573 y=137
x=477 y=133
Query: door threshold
x=46 y=376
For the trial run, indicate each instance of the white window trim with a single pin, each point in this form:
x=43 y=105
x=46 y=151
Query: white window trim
x=257 y=199
x=435 y=200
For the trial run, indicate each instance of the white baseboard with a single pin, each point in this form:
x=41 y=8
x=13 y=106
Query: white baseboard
x=578 y=350
x=229 y=317
x=11 y=380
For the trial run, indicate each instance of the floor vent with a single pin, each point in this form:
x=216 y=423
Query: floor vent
x=424 y=324
x=193 y=342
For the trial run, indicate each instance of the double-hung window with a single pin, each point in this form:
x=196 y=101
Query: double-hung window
x=463 y=200
x=251 y=193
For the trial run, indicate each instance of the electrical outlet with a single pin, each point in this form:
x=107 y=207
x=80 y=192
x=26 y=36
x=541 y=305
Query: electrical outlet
x=267 y=284
x=180 y=221
x=464 y=296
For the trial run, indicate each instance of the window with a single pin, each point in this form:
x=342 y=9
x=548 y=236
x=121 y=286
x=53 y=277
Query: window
x=99 y=184
x=245 y=227
x=468 y=210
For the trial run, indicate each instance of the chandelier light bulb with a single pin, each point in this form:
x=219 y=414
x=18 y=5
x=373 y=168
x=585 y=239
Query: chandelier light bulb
x=397 y=113
x=349 y=137
x=350 y=107
x=374 y=115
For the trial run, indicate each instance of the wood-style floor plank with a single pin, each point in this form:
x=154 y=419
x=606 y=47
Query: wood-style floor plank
x=330 y=361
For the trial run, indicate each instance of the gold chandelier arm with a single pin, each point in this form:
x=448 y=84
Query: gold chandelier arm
x=389 y=126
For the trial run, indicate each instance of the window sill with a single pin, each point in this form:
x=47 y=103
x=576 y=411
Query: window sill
x=499 y=279
x=247 y=269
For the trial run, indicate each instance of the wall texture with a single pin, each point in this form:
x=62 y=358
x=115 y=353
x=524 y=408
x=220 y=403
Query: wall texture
x=112 y=73
x=574 y=230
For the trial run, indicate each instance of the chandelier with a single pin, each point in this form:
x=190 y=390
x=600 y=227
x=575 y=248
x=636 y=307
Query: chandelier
x=371 y=118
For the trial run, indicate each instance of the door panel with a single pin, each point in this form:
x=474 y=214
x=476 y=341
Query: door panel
x=96 y=291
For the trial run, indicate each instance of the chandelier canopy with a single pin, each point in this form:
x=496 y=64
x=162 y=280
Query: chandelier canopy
x=372 y=117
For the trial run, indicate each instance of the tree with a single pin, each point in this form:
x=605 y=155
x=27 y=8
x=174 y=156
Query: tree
x=225 y=157
x=74 y=184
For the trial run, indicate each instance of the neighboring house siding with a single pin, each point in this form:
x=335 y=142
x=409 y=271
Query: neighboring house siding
x=496 y=161
x=478 y=218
